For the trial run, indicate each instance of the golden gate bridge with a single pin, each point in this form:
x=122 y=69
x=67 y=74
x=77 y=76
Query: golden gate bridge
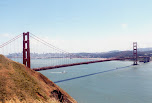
x=64 y=58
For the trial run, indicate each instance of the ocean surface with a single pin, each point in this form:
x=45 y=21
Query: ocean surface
x=106 y=82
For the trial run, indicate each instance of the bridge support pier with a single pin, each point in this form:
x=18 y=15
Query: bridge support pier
x=135 y=53
x=26 y=49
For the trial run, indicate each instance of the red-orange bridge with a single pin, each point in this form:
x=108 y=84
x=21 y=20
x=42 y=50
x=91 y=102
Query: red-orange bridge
x=55 y=53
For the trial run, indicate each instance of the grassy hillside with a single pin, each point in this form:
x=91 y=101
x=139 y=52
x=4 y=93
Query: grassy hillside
x=19 y=84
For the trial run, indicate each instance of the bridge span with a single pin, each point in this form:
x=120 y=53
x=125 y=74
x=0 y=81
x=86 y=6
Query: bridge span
x=50 y=51
x=74 y=64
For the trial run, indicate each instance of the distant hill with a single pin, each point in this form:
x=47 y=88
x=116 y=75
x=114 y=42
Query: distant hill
x=110 y=54
x=19 y=84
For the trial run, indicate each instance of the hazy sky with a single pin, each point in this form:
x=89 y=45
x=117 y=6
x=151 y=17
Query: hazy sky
x=80 y=25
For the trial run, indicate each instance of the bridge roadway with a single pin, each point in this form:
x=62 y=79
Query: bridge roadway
x=74 y=64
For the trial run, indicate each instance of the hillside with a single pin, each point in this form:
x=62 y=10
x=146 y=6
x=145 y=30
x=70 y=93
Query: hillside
x=19 y=84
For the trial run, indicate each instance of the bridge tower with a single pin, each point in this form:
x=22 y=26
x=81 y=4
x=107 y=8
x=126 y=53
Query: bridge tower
x=135 y=57
x=26 y=49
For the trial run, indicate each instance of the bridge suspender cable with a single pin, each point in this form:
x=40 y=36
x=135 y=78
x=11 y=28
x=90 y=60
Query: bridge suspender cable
x=52 y=46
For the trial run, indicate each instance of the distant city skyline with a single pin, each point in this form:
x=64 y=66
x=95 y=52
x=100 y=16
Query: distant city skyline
x=80 y=25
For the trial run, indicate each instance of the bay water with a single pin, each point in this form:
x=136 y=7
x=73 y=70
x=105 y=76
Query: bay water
x=105 y=82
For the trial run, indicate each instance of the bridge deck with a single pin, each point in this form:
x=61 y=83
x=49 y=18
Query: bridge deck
x=73 y=64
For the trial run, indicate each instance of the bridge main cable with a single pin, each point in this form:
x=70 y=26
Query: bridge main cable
x=50 y=45
x=8 y=42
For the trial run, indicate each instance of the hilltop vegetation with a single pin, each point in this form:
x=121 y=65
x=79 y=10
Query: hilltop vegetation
x=19 y=84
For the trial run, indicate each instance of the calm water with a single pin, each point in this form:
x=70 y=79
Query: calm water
x=106 y=82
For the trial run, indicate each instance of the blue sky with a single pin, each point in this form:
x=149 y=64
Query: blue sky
x=80 y=25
